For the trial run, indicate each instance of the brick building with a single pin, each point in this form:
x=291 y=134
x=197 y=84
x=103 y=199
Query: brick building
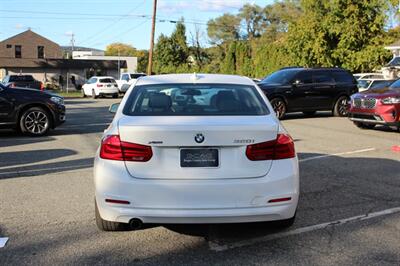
x=30 y=53
x=29 y=45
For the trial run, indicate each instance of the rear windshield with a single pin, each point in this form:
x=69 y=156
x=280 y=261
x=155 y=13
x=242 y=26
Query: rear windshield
x=135 y=76
x=195 y=100
x=107 y=80
x=26 y=78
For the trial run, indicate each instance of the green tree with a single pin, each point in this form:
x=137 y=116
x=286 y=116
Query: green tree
x=171 y=53
x=120 y=48
x=254 y=20
x=346 y=33
x=179 y=44
x=223 y=28
x=229 y=65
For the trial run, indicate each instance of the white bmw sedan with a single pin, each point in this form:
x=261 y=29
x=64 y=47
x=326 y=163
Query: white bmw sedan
x=199 y=148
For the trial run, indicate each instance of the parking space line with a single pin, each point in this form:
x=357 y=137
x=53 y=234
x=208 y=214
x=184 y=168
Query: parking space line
x=336 y=154
x=73 y=167
x=217 y=247
x=3 y=241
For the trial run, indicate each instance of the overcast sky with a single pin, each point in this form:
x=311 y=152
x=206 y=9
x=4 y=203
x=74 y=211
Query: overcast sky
x=96 y=23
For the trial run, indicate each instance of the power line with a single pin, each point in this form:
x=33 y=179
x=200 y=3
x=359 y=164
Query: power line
x=123 y=33
x=59 y=13
x=113 y=23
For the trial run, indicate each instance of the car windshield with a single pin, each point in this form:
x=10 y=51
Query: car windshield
x=394 y=62
x=395 y=85
x=195 y=100
x=363 y=84
x=135 y=76
x=378 y=84
x=281 y=77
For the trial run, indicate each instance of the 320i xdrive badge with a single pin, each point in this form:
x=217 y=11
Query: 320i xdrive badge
x=195 y=149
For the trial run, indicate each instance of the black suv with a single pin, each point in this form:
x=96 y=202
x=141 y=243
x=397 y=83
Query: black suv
x=29 y=110
x=309 y=90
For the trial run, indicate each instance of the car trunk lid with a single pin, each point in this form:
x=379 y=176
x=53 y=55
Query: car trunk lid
x=168 y=136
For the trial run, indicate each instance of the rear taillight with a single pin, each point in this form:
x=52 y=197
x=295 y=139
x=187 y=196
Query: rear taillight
x=99 y=85
x=112 y=148
x=280 y=148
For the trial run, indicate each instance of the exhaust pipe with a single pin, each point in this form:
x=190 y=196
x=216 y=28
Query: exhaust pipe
x=135 y=224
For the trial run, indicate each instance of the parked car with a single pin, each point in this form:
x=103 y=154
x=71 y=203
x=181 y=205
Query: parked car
x=172 y=156
x=22 y=81
x=31 y=111
x=369 y=76
x=309 y=90
x=99 y=87
x=376 y=107
x=127 y=79
x=371 y=83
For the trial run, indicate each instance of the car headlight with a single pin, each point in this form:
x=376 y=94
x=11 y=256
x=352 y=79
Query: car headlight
x=391 y=100
x=57 y=100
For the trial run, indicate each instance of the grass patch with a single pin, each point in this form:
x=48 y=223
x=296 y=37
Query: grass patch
x=70 y=94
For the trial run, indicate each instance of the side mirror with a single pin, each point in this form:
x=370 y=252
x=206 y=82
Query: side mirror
x=113 y=108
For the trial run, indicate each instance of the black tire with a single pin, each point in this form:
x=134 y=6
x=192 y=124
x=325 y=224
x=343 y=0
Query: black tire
x=364 y=125
x=341 y=107
x=94 y=94
x=104 y=225
x=83 y=93
x=309 y=113
x=115 y=95
x=279 y=106
x=35 y=121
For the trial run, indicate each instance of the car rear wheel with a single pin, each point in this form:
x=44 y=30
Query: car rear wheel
x=279 y=107
x=35 y=121
x=364 y=125
x=115 y=95
x=341 y=107
x=104 y=225
x=94 y=94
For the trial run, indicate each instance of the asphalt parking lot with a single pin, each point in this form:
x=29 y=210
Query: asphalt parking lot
x=349 y=210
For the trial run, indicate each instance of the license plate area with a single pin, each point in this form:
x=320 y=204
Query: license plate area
x=199 y=157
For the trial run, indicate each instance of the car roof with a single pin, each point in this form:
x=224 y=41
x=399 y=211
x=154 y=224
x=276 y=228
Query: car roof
x=319 y=68
x=103 y=77
x=195 y=79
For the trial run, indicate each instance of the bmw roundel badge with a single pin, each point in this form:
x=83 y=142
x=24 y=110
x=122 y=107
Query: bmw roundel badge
x=199 y=138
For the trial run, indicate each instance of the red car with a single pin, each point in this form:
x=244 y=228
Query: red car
x=376 y=107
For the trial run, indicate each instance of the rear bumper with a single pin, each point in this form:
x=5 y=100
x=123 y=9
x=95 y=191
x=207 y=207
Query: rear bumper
x=110 y=91
x=196 y=201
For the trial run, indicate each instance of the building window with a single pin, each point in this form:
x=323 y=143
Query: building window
x=18 y=51
x=40 y=51
x=8 y=45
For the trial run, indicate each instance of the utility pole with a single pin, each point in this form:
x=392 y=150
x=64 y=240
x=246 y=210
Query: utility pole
x=153 y=27
x=119 y=66
x=72 y=44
